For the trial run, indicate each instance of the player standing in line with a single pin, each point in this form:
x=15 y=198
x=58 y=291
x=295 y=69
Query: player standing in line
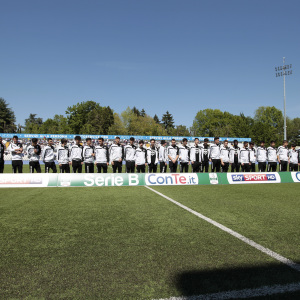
x=116 y=155
x=152 y=157
x=48 y=157
x=184 y=156
x=162 y=156
x=215 y=156
x=141 y=158
x=235 y=157
x=245 y=158
x=262 y=157
x=76 y=155
x=272 y=157
x=282 y=156
x=16 y=150
x=205 y=153
x=89 y=156
x=252 y=157
x=2 y=147
x=293 y=159
x=129 y=156
x=224 y=156
x=101 y=156
x=34 y=151
x=63 y=157
x=173 y=154
x=195 y=156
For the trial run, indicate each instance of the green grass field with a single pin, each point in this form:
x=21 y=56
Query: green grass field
x=130 y=243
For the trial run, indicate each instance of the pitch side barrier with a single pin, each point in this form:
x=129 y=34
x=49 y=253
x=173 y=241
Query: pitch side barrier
x=148 y=179
x=112 y=137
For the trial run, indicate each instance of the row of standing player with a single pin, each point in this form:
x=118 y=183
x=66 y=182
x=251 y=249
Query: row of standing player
x=199 y=156
x=222 y=156
x=65 y=156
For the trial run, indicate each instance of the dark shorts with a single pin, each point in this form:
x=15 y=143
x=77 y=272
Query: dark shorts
x=140 y=168
x=196 y=166
x=152 y=168
x=1 y=166
x=17 y=166
x=130 y=166
x=76 y=166
x=163 y=167
x=262 y=166
x=89 y=168
x=50 y=165
x=173 y=167
x=101 y=166
x=35 y=165
x=64 y=168
x=117 y=166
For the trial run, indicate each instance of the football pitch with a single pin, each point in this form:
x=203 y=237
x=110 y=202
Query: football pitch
x=133 y=243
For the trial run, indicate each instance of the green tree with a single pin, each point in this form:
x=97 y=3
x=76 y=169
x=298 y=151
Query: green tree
x=89 y=118
x=156 y=119
x=33 y=124
x=293 y=130
x=143 y=113
x=242 y=126
x=269 y=115
x=167 y=121
x=273 y=119
x=127 y=117
x=56 y=125
x=100 y=120
x=263 y=132
x=118 y=127
x=213 y=122
x=181 y=130
x=19 y=128
x=140 y=125
x=7 y=117
x=145 y=126
x=136 y=111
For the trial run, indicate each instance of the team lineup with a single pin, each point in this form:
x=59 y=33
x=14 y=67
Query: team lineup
x=222 y=157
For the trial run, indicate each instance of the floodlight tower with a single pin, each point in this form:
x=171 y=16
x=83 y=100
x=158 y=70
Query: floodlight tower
x=282 y=71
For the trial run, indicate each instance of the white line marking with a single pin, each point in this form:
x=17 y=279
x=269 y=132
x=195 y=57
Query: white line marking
x=259 y=247
x=246 y=293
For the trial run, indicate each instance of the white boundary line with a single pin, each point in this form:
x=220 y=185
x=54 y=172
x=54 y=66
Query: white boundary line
x=246 y=293
x=259 y=247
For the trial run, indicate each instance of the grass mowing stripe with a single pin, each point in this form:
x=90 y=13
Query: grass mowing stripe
x=259 y=247
x=246 y=293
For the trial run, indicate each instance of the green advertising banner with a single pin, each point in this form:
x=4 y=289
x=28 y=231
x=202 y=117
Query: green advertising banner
x=149 y=179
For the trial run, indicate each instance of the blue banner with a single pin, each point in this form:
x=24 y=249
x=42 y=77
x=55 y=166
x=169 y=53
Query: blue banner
x=112 y=137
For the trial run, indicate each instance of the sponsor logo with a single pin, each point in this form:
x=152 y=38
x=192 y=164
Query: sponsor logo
x=110 y=180
x=254 y=177
x=213 y=178
x=238 y=178
x=21 y=180
x=296 y=176
x=65 y=179
x=171 y=179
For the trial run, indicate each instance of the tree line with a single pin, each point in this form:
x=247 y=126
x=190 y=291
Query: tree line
x=89 y=117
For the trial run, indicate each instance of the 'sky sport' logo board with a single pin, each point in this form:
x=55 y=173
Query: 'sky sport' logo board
x=244 y=178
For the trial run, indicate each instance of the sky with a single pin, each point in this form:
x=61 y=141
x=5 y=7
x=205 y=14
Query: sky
x=181 y=56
